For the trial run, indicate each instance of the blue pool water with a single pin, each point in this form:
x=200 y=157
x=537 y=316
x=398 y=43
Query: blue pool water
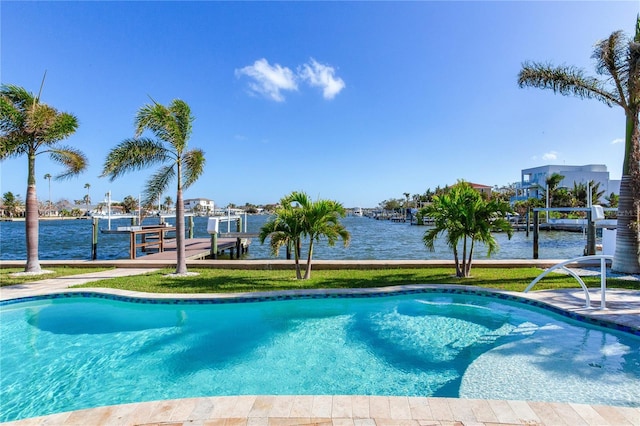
x=74 y=352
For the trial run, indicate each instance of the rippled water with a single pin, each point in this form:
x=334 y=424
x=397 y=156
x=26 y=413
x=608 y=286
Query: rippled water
x=370 y=239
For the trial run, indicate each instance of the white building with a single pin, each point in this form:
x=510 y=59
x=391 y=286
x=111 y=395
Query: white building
x=533 y=181
x=203 y=205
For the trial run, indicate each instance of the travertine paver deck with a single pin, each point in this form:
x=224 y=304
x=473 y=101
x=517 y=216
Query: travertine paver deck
x=623 y=307
x=342 y=410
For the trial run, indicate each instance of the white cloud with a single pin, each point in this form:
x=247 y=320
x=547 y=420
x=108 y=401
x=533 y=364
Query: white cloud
x=617 y=141
x=323 y=76
x=551 y=155
x=269 y=80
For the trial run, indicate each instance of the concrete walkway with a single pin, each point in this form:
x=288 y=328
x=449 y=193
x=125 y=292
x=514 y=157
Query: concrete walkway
x=54 y=285
x=623 y=308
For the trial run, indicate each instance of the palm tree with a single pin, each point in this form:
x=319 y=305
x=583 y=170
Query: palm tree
x=619 y=61
x=463 y=214
x=580 y=193
x=29 y=127
x=297 y=217
x=88 y=197
x=48 y=176
x=11 y=203
x=285 y=230
x=551 y=192
x=168 y=202
x=612 y=199
x=171 y=127
x=321 y=219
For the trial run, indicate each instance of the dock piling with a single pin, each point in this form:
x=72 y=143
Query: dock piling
x=94 y=239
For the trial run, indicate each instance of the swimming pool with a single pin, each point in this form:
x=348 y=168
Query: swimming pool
x=79 y=350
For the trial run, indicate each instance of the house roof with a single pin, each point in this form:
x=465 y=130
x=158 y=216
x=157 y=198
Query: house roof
x=478 y=185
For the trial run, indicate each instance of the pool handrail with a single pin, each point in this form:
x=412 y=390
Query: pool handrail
x=603 y=276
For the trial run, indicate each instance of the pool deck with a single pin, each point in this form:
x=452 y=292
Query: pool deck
x=623 y=307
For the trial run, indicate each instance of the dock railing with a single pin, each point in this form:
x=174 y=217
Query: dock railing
x=603 y=276
x=151 y=237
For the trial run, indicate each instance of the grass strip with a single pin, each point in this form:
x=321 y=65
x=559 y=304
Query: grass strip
x=241 y=281
x=8 y=277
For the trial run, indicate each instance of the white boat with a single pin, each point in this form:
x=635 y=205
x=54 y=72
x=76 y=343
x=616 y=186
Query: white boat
x=357 y=211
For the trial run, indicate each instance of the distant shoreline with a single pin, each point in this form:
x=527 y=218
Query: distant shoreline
x=22 y=219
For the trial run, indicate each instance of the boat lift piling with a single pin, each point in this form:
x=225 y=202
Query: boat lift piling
x=213 y=228
x=593 y=214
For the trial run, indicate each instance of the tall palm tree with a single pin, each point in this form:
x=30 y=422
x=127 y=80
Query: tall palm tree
x=29 y=127
x=88 y=197
x=619 y=61
x=48 y=176
x=171 y=125
x=463 y=214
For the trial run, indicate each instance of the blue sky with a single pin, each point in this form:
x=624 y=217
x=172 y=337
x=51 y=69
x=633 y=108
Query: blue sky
x=353 y=101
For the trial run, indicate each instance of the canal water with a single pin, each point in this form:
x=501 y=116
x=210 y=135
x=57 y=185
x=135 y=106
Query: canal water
x=370 y=240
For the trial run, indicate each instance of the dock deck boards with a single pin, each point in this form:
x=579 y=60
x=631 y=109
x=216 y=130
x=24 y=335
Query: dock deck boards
x=195 y=248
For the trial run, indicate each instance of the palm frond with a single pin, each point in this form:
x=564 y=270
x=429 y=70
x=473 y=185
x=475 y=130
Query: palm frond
x=170 y=124
x=132 y=155
x=158 y=183
x=611 y=59
x=18 y=96
x=11 y=115
x=13 y=145
x=193 y=166
x=153 y=117
x=181 y=124
x=565 y=80
x=73 y=160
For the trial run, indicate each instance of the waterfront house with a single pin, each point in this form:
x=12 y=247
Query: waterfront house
x=482 y=189
x=533 y=181
x=203 y=205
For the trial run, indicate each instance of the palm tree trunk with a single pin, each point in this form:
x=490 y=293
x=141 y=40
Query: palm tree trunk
x=181 y=261
x=32 y=219
x=296 y=256
x=627 y=255
x=467 y=271
x=457 y=261
x=307 y=272
x=464 y=258
x=626 y=258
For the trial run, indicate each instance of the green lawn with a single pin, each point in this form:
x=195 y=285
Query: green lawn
x=237 y=281
x=7 y=274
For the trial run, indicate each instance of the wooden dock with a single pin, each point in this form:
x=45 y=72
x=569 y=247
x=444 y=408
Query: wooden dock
x=200 y=248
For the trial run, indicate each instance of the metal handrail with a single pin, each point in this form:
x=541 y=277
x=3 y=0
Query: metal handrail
x=603 y=276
